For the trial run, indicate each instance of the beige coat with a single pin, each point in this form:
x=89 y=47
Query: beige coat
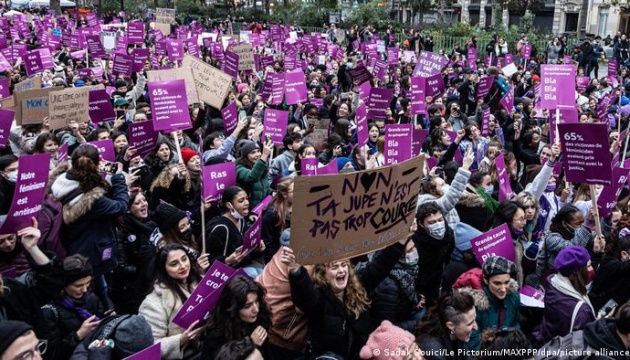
x=159 y=308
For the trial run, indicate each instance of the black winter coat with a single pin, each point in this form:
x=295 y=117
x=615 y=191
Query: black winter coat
x=433 y=256
x=330 y=327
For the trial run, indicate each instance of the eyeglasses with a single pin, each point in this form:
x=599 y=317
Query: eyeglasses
x=8 y=238
x=522 y=219
x=41 y=347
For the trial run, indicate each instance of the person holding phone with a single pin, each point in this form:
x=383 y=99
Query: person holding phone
x=252 y=170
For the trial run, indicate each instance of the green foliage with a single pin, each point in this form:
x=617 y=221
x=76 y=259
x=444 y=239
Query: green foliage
x=370 y=13
x=190 y=7
x=302 y=13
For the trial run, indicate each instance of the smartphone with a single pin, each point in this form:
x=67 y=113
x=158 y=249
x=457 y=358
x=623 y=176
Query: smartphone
x=608 y=307
x=141 y=170
x=108 y=167
x=268 y=138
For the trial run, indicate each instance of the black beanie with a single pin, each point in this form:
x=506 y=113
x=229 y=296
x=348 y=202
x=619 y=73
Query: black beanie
x=167 y=217
x=120 y=83
x=11 y=330
x=6 y=160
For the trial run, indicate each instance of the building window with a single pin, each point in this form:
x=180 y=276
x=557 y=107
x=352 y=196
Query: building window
x=571 y=22
x=603 y=22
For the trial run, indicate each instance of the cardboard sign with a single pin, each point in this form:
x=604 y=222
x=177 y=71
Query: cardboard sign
x=319 y=137
x=608 y=197
x=6 y=119
x=495 y=242
x=556 y=82
x=100 y=106
x=30 y=190
x=212 y=84
x=398 y=143
x=275 y=123
x=142 y=137
x=587 y=156
x=505 y=188
x=168 y=105
x=245 y=57
x=217 y=178
x=31 y=106
x=175 y=74
x=65 y=106
x=163 y=20
x=343 y=216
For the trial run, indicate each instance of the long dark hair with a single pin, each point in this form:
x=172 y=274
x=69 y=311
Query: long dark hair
x=162 y=277
x=505 y=213
x=451 y=307
x=84 y=169
x=233 y=298
x=41 y=140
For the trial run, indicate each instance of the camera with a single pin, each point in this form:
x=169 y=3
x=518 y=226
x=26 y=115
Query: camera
x=141 y=170
x=108 y=167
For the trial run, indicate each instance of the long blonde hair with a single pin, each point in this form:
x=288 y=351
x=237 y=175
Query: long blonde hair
x=355 y=298
x=163 y=179
x=279 y=206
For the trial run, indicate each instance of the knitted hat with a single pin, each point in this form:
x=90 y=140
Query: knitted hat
x=121 y=102
x=571 y=259
x=167 y=217
x=187 y=154
x=10 y=331
x=463 y=234
x=132 y=335
x=247 y=147
x=498 y=265
x=240 y=87
x=387 y=342
x=341 y=162
x=79 y=83
x=535 y=78
x=120 y=83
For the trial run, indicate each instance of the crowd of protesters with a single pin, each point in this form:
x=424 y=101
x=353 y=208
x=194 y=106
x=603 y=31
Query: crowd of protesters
x=127 y=251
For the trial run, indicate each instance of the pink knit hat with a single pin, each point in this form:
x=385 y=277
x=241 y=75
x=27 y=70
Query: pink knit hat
x=240 y=87
x=387 y=342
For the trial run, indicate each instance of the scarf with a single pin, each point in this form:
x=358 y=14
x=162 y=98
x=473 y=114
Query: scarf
x=406 y=277
x=563 y=285
x=68 y=303
x=489 y=203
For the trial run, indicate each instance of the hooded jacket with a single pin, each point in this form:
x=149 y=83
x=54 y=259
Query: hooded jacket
x=602 y=334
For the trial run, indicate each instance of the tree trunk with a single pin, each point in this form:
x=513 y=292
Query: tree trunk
x=55 y=5
x=441 y=11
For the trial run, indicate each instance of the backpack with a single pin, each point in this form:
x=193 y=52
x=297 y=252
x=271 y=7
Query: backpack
x=558 y=348
x=50 y=221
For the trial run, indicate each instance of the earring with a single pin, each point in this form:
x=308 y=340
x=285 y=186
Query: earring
x=452 y=332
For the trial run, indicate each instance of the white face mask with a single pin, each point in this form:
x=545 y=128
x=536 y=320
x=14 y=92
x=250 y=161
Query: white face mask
x=11 y=176
x=411 y=258
x=235 y=214
x=437 y=230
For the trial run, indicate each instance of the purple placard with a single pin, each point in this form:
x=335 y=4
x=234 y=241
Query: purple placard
x=485 y=121
x=135 y=32
x=567 y=116
x=123 y=65
x=418 y=97
x=582 y=83
x=434 y=86
x=275 y=123
x=485 y=84
x=62 y=153
x=205 y=296
x=95 y=46
x=429 y=64
x=497 y=241
x=142 y=137
x=33 y=63
x=310 y=167
x=417 y=139
x=556 y=80
x=295 y=87
x=505 y=189
x=6 y=119
x=153 y=352
x=527 y=51
x=30 y=190
x=217 y=178
x=379 y=102
x=262 y=206
x=139 y=56
x=252 y=237
x=105 y=149
x=230 y=117
x=532 y=297
x=362 y=124
x=398 y=139
x=608 y=197
x=192 y=47
x=471 y=58
x=507 y=101
x=380 y=69
x=101 y=108
x=175 y=49
x=5 y=88
x=612 y=67
x=508 y=59
x=586 y=153
x=277 y=88
x=392 y=56
x=360 y=74
x=169 y=105
x=230 y=66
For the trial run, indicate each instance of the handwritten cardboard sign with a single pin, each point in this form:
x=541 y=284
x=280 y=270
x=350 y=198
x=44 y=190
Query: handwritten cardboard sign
x=212 y=84
x=72 y=104
x=245 y=56
x=163 y=20
x=342 y=216
x=31 y=106
x=497 y=241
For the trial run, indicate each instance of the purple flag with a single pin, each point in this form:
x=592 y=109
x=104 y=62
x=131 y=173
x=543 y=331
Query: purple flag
x=101 y=108
x=230 y=117
x=275 y=123
x=169 y=105
x=142 y=137
x=398 y=143
x=587 y=156
x=497 y=241
x=30 y=190
x=217 y=178
x=6 y=119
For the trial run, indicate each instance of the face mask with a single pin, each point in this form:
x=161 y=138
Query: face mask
x=411 y=258
x=187 y=235
x=550 y=188
x=11 y=176
x=437 y=230
x=489 y=189
x=235 y=214
x=445 y=188
x=571 y=229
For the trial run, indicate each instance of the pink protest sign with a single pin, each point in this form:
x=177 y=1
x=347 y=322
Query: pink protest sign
x=505 y=188
x=230 y=117
x=417 y=139
x=101 y=108
x=217 y=178
x=379 y=102
x=192 y=47
x=95 y=47
x=582 y=83
x=398 y=143
x=135 y=32
x=175 y=49
x=295 y=87
x=169 y=105
x=30 y=189
x=527 y=51
x=608 y=198
x=205 y=296
x=142 y=137
x=392 y=56
x=123 y=65
x=558 y=83
x=418 y=96
x=587 y=157
x=495 y=242
x=310 y=167
x=612 y=67
x=485 y=84
x=139 y=57
x=434 y=86
x=6 y=119
x=153 y=352
x=429 y=64
x=275 y=123
x=252 y=237
x=362 y=124
x=380 y=69
x=277 y=88
x=105 y=149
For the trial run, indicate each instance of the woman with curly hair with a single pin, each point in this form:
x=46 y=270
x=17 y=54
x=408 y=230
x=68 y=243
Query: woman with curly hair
x=335 y=300
x=161 y=156
x=240 y=313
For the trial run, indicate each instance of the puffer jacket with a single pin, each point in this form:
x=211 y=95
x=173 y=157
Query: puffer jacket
x=254 y=181
x=449 y=200
x=60 y=325
x=488 y=306
x=88 y=219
